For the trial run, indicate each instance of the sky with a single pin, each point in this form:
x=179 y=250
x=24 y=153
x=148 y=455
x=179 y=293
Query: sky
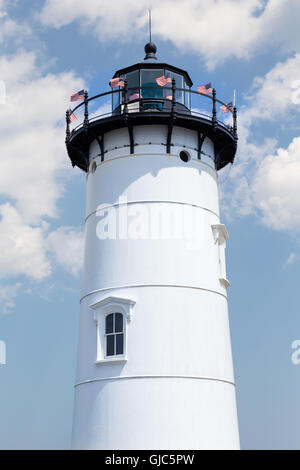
x=51 y=49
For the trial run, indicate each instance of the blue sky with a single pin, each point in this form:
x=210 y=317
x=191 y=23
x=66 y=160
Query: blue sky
x=49 y=50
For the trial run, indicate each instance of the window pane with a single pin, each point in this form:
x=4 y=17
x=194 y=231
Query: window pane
x=110 y=348
x=187 y=96
x=109 y=323
x=118 y=323
x=116 y=100
x=133 y=82
x=178 y=84
x=119 y=343
x=148 y=79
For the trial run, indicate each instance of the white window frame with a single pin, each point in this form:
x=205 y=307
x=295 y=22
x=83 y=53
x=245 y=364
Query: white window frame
x=101 y=310
x=220 y=236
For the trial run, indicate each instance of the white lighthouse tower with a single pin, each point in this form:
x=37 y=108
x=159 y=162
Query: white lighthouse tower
x=154 y=357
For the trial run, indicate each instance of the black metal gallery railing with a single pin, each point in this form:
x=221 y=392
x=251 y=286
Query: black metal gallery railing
x=167 y=104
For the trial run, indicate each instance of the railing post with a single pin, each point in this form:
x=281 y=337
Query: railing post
x=125 y=99
x=140 y=99
x=214 y=112
x=235 y=124
x=68 y=126
x=86 y=111
x=173 y=94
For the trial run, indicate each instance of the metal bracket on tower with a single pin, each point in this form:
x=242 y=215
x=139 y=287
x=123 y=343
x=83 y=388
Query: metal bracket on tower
x=127 y=120
x=169 y=136
x=172 y=117
x=100 y=141
x=130 y=132
x=201 y=138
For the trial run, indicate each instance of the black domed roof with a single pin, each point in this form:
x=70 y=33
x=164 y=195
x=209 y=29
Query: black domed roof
x=151 y=61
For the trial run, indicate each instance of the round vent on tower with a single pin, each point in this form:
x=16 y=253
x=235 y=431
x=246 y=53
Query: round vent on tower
x=184 y=156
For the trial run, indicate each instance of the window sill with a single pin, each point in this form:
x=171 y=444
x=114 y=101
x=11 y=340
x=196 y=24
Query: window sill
x=111 y=360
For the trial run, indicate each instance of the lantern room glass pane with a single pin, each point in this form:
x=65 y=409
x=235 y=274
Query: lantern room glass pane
x=133 y=83
x=179 y=84
x=148 y=79
x=187 y=96
x=150 y=88
x=116 y=100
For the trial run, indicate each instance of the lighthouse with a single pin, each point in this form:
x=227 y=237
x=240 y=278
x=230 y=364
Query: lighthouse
x=154 y=355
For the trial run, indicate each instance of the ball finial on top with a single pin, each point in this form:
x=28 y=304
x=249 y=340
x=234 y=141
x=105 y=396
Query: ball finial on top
x=150 y=50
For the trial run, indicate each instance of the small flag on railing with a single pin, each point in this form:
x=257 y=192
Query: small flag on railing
x=205 y=89
x=169 y=97
x=228 y=108
x=134 y=96
x=163 y=80
x=115 y=82
x=77 y=96
x=72 y=116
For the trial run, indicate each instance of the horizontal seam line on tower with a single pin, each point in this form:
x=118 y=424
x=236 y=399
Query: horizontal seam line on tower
x=155 y=376
x=152 y=202
x=151 y=285
x=174 y=144
x=146 y=154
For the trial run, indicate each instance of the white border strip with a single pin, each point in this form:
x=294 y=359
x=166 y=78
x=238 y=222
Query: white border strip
x=150 y=285
x=125 y=377
x=117 y=204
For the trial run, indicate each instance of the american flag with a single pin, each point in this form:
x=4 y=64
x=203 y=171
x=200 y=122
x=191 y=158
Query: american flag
x=227 y=108
x=72 y=116
x=77 y=96
x=205 y=89
x=134 y=96
x=115 y=82
x=162 y=81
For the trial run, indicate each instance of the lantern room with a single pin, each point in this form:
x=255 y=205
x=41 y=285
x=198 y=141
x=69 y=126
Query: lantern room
x=152 y=93
x=141 y=79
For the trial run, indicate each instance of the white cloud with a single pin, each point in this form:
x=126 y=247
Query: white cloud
x=23 y=250
x=9 y=28
x=290 y=260
x=67 y=245
x=216 y=29
x=32 y=135
x=272 y=95
x=33 y=161
x=8 y=293
x=3 y=3
x=265 y=180
x=276 y=188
